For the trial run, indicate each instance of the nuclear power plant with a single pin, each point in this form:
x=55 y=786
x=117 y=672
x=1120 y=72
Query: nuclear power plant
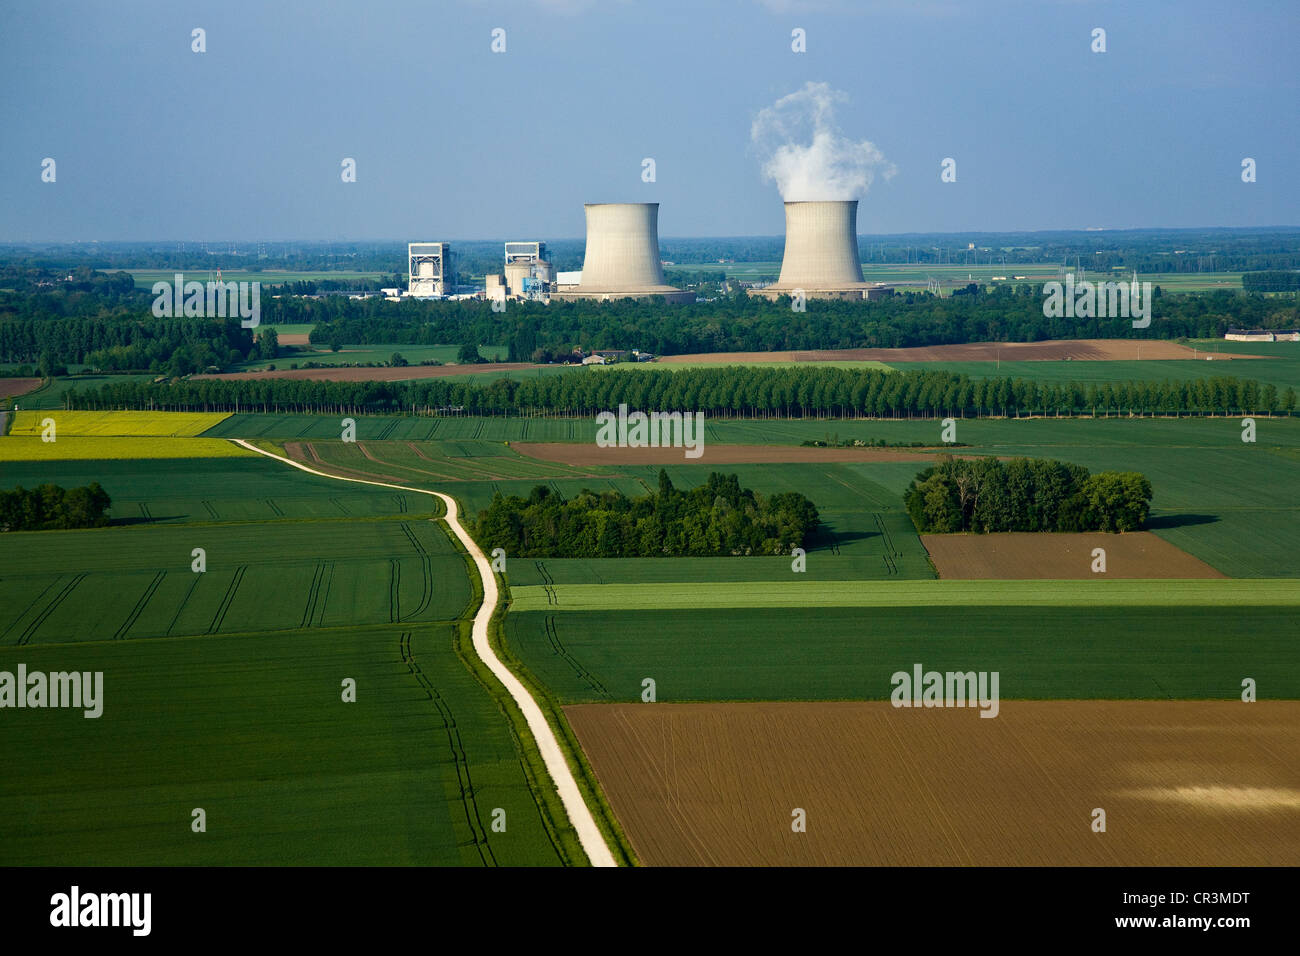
x=622 y=261
x=821 y=252
x=622 y=256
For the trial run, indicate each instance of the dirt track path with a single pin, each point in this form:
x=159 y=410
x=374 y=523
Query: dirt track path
x=589 y=835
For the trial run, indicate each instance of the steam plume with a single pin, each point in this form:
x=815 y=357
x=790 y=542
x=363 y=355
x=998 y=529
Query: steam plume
x=805 y=153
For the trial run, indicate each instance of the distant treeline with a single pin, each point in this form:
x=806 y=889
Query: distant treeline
x=49 y=506
x=175 y=346
x=1147 y=250
x=538 y=332
x=717 y=518
x=987 y=495
x=75 y=321
x=1271 y=281
x=733 y=391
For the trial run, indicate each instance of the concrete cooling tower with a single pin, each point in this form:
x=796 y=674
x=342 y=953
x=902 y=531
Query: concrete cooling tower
x=622 y=257
x=821 y=252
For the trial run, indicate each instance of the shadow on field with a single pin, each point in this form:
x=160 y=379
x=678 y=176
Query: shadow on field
x=824 y=538
x=123 y=522
x=1158 y=522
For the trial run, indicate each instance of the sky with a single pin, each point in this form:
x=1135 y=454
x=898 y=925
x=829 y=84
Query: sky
x=451 y=140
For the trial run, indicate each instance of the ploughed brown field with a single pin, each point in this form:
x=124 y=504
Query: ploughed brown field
x=1080 y=350
x=294 y=338
x=404 y=374
x=591 y=454
x=10 y=387
x=1183 y=783
x=1058 y=557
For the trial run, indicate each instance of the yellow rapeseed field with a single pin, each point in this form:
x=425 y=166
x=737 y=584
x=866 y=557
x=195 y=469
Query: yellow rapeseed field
x=104 y=424
x=84 y=448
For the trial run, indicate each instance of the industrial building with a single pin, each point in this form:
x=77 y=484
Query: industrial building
x=622 y=256
x=528 y=274
x=821 y=253
x=429 y=267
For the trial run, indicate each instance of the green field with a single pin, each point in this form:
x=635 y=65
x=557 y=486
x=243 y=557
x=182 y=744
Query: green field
x=120 y=583
x=405 y=428
x=188 y=491
x=222 y=690
x=145 y=278
x=252 y=729
x=1218 y=498
x=430 y=463
x=366 y=354
x=849 y=653
x=794 y=592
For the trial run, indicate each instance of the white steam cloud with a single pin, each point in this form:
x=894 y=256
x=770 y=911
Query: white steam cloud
x=805 y=153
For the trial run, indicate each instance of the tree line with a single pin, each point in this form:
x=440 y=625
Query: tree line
x=50 y=506
x=124 y=343
x=987 y=495
x=716 y=518
x=1271 y=281
x=738 y=322
x=73 y=326
x=811 y=391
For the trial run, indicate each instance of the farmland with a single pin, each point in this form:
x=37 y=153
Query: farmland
x=101 y=424
x=9 y=387
x=251 y=728
x=328 y=562
x=138 y=582
x=301 y=351
x=844 y=652
x=1215 y=498
x=105 y=448
x=1054 y=556
x=222 y=688
x=1182 y=783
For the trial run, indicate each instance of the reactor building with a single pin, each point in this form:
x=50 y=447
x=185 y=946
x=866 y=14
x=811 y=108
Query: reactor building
x=429 y=268
x=622 y=256
x=821 y=252
x=528 y=274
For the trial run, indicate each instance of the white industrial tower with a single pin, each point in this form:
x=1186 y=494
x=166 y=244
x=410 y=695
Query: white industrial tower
x=429 y=268
x=821 y=252
x=622 y=256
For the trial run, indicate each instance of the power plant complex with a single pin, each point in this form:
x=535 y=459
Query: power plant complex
x=622 y=261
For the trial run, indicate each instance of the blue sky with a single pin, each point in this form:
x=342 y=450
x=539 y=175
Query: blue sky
x=453 y=141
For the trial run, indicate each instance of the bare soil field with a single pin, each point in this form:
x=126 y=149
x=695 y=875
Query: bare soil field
x=9 y=387
x=382 y=374
x=588 y=455
x=294 y=338
x=1060 y=557
x=1182 y=783
x=1079 y=350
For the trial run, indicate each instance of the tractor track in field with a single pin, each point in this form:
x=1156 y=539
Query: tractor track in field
x=139 y=606
x=26 y=636
x=468 y=798
x=224 y=607
x=575 y=807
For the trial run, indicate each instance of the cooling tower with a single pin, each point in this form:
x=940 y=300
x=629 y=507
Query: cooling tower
x=622 y=257
x=821 y=251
